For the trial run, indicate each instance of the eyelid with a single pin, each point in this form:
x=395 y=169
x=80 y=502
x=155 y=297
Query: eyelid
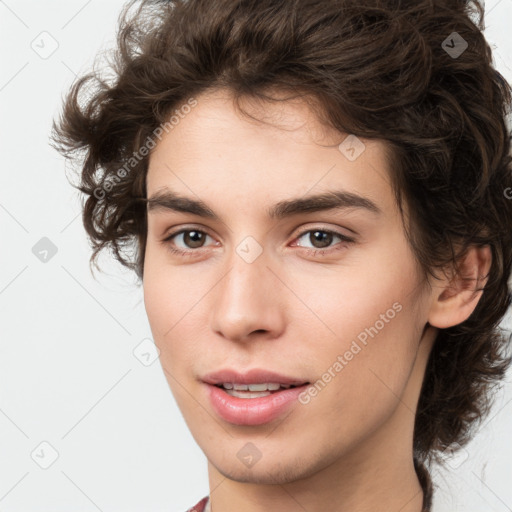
x=170 y=231
x=336 y=231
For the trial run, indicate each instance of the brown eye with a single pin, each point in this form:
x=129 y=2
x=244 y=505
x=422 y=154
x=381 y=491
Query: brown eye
x=322 y=238
x=193 y=239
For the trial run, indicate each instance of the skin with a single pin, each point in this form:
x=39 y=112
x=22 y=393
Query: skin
x=293 y=311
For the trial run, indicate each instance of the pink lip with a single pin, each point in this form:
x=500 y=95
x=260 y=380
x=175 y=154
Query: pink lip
x=251 y=411
x=254 y=376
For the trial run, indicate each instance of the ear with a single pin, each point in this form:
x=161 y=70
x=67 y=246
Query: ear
x=455 y=297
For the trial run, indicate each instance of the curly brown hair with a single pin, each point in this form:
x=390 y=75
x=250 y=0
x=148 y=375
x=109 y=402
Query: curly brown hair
x=382 y=70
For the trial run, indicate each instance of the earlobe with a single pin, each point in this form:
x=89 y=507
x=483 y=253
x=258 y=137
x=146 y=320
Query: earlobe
x=456 y=296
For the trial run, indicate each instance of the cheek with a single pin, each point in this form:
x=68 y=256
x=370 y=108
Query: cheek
x=354 y=301
x=172 y=299
x=169 y=291
x=164 y=304
x=359 y=382
x=375 y=316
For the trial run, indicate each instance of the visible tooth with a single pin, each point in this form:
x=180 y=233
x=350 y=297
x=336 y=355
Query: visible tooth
x=264 y=386
x=247 y=394
x=257 y=387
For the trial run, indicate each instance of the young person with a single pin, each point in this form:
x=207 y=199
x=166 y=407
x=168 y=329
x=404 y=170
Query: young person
x=316 y=196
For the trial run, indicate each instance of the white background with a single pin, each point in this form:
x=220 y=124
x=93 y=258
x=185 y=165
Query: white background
x=68 y=374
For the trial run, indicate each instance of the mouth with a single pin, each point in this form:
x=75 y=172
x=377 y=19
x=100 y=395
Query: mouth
x=253 y=398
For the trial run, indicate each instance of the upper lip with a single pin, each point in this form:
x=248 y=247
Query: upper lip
x=254 y=376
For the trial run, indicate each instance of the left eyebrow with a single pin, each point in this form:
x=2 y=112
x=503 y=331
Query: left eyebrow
x=335 y=199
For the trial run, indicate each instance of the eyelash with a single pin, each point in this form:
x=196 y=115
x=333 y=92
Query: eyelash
x=314 y=252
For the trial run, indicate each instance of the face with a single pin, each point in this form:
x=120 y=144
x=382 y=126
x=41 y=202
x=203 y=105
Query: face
x=261 y=277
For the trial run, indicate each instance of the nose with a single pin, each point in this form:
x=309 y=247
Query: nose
x=248 y=300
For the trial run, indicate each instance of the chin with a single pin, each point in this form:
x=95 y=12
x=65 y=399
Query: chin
x=270 y=470
x=262 y=475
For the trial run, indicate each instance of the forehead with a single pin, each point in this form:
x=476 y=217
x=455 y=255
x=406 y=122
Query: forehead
x=254 y=119
x=283 y=150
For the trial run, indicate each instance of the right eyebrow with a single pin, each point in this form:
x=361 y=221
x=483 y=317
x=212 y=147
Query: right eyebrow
x=169 y=200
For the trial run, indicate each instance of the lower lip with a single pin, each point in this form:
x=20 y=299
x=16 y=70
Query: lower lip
x=252 y=411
